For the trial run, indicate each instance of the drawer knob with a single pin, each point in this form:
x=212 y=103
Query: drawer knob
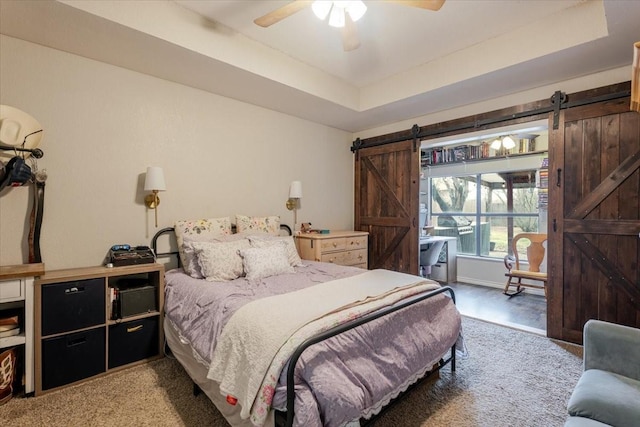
x=334 y=244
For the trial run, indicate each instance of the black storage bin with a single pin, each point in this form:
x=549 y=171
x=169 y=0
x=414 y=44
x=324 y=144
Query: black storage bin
x=133 y=341
x=72 y=357
x=72 y=305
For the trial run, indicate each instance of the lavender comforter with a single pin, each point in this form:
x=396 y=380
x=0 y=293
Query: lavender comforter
x=339 y=380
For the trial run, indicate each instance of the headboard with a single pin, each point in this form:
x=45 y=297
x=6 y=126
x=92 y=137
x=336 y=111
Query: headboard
x=169 y=231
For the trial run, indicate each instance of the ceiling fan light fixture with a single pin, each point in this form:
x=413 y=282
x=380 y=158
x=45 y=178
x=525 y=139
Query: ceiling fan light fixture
x=356 y=9
x=321 y=8
x=336 y=17
x=336 y=10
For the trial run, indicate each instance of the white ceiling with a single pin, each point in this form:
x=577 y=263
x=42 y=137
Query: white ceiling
x=411 y=61
x=394 y=38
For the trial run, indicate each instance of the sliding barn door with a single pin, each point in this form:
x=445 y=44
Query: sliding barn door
x=594 y=219
x=386 y=204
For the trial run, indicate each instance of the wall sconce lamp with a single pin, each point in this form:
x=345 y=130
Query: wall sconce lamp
x=295 y=194
x=154 y=182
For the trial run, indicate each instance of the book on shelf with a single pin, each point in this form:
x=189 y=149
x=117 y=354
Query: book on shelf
x=9 y=326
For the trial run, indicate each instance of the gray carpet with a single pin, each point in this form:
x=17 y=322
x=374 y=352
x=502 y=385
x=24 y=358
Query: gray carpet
x=510 y=378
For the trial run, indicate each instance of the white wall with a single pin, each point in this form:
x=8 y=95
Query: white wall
x=103 y=125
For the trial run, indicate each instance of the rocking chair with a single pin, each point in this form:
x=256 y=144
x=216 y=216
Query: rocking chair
x=535 y=256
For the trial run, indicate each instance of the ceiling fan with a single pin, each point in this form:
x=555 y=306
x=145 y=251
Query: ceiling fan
x=341 y=14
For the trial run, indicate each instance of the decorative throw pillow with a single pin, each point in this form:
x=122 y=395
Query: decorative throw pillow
x=264 y=262
x=197 y=230
x=220 y=261
x=261 y=241
x=255 y=224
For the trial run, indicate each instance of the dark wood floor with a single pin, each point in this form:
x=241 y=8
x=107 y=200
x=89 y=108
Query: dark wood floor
x=523 y=311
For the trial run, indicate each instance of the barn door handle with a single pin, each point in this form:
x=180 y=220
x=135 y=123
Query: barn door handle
x=559 y=177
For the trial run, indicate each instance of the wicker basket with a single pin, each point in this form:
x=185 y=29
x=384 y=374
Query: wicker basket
x=7 y=374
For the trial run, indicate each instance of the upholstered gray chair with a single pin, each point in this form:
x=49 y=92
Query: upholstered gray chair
x=429 y=254
x=608 y=392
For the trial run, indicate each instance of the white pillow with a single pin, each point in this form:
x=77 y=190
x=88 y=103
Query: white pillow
x=192 y=266
x=261 y=241
x=264 y=262
x=220 y=262
x=197 y=230
x=256 y=224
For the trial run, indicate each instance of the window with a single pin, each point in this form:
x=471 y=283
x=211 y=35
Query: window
x=485 y=210
x=485 y=198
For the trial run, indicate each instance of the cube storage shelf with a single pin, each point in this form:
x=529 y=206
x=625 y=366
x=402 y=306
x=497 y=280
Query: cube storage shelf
x=16 y=298
x=77 y=336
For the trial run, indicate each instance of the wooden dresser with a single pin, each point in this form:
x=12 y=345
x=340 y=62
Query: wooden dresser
x=339 y=247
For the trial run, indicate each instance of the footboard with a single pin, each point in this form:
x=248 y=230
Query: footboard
x=285 y=418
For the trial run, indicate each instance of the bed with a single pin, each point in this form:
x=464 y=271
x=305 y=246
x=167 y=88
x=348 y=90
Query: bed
x=277 y=350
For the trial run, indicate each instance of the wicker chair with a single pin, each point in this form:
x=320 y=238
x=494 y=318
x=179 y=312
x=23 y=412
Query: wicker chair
x=535 y=256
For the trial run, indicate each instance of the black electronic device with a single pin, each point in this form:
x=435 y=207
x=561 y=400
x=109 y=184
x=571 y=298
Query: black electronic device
x=137 y=301
x=131 y=296
x=126 y=255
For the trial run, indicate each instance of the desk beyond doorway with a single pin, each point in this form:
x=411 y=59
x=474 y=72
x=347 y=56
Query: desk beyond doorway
x=446 y=269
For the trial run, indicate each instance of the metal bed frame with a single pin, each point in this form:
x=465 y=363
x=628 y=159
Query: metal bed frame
x=285 y=418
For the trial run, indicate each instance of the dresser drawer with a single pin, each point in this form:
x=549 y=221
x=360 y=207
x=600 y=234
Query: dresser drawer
x=72 y=357
x=343 y=243
x=133 y=341
x=72 y=305
x=333 y=245
x=358 y=256
x=11 y=290
x=358 y=242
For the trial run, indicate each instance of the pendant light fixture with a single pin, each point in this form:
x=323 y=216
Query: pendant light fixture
x=506 y=141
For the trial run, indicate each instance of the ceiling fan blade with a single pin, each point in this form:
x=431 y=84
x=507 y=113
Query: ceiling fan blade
x=350 y=40
x=422 y=4
x=281 y=13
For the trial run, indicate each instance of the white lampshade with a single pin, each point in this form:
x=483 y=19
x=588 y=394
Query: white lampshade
x=321 y=8
x=295 y=190
x=335 y=10
x=496 y=144
x=508 y=142
x=336 y=19
x=154 y=179
x=356 y=9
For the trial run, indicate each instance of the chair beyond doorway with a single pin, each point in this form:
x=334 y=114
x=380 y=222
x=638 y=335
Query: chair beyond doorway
x=429 y=256
x=535 y=256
